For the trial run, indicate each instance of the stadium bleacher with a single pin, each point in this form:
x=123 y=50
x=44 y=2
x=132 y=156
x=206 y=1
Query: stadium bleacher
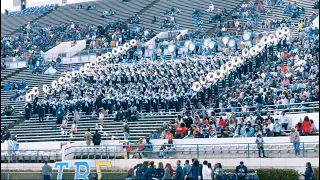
x=35 y=131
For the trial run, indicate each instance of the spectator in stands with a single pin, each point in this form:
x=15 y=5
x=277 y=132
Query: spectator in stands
x=46 y=171
x=168 y=172
x=181 y=131
x=8 y=110
x=3 y=65
x=306 y=126
x=126 y=131
x=313 y=126
x=160 y=171
x=96 y=139
x=206 y=172
x=87 y=137
x=140 y=147
x=259 y=142
x=148 y=148
x=240 y=131
x=286 y=10
x=277 y=128
x=284 y=120
x=169 y=149
x=241 y=171
x=73 y=128
x=295 y=139
x=308 y=172
x=195 y=170
x=316 y=4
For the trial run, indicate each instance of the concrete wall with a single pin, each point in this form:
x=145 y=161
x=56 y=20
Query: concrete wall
x=252 y=163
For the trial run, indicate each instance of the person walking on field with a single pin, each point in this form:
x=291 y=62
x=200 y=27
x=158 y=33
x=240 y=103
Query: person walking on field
x=46 y=171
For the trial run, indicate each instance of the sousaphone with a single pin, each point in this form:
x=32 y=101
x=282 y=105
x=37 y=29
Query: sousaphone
x=196 y=86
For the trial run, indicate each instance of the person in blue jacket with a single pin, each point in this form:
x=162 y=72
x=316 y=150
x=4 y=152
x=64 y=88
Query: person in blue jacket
x=241 y=171
x=179 y=171
x=151 y=171
x=139 y=172
x=144 y=169
x=195 y=170
x=308 y=172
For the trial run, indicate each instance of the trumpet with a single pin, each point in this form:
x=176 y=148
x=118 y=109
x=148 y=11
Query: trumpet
x=45 y=88
x=35 y=91
x=203 y=80
x=210 y=77
x=133 y=42
x=61 y=80
x=196 y=86
x=54 y=84
x=68 y=77
x=126 y=46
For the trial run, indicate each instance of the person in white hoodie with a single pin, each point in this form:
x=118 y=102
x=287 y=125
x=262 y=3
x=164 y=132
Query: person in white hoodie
x=206 y=171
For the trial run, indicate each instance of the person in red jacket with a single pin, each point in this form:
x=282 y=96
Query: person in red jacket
x=181 y=131
x=169 y=135
x=306 y=126
x=222 y=123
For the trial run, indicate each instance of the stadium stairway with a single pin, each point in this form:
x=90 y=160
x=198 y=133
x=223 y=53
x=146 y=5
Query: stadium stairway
x=34 y=131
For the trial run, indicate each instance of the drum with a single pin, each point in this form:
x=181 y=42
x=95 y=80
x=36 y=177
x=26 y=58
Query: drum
x=231 y=43
x=246 y=37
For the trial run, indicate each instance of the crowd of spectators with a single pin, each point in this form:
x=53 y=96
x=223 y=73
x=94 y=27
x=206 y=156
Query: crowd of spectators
x=195 y=170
